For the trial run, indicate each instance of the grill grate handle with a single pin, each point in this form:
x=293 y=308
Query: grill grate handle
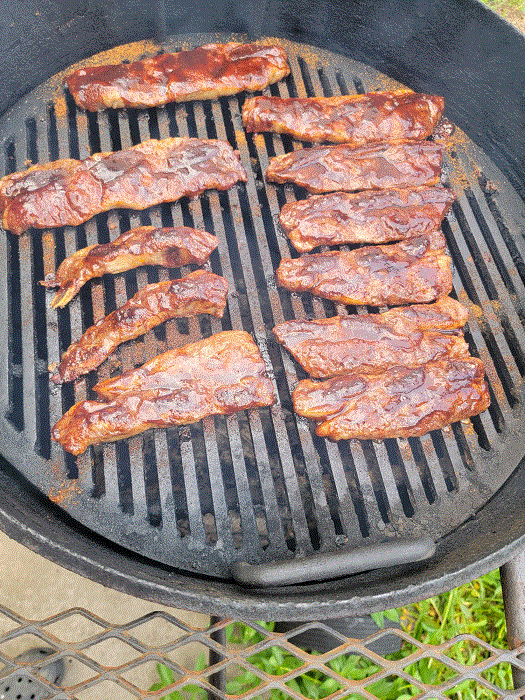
x=329 y=565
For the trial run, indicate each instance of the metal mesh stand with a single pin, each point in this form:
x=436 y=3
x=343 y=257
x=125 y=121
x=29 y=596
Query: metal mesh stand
x=160 y=638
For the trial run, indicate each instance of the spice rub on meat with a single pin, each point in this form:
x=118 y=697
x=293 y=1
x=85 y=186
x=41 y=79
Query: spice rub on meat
x=400 y=402
x=201 y=292
x=364 y=217
x=222 y=374
x=413 y=271
x=357 y=120
x=408 y=336
x=145 y=245
x=203 y=73
x=333 y=168
x=69 y=192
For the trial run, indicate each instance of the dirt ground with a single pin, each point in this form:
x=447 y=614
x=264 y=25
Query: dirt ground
x=515 y=17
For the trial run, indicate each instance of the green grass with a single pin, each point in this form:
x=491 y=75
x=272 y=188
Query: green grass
x=503 y=7
x=475 y=608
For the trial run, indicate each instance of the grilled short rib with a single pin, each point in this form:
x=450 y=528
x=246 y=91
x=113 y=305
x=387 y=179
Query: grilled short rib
x=357 y=120
x=400 y=402
x=206 y=72
x=69 y=192
x=222 y=374
x=364 y=217
x=413 y=271
x=146 y=245
x=409 y=336
x=201 y=292
x=333 y=168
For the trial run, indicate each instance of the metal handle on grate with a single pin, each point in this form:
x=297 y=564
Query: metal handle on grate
x=328 y=565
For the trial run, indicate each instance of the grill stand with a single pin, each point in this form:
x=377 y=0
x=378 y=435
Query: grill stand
x=513 y=588
x=423 y=478
x=32 y=676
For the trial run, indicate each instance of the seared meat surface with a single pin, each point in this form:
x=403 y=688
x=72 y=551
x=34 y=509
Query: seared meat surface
x=201 y=292
x=357 y=120
x=224 y=373
x=400 y=402
x=146 y=245
x=333 y=168
x=374 y=342
x=206 y=72
x=364 y=217
x=413 y=271
x=69 y=192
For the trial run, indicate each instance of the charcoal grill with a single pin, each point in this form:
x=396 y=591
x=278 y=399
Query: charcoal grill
x=166 y=514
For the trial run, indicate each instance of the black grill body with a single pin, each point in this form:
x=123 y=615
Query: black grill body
x=163 y=516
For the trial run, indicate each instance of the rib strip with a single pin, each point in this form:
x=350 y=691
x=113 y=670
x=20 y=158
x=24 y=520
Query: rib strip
x=373 y=342
x=201 y=292
x=333 y=168
x=221 y=374
x=206 y=72
x=400 y=402
x=69 y=192
x=413 y=271
x=357 y=120
x=146 y=245
x=364 y=217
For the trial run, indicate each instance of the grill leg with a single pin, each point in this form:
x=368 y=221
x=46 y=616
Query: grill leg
x=513 y=588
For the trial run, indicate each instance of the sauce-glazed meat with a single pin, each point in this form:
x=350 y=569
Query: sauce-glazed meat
x=69 y=192
x=356 y=120
x=413 y=271
x=146 y=245
x=201 y=292
x=221 y=374
x=364 y=217
x=229 y=356
x=206 y=72
x=373 y=342
x=401 y=402
x=333 y=168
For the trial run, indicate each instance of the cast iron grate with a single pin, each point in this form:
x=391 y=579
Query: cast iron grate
x=260 y=485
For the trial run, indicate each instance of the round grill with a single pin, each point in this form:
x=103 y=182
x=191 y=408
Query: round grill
x=256 y=486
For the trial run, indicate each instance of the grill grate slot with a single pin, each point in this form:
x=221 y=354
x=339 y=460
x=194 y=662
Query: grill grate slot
x=258 y=485
x=16 y=410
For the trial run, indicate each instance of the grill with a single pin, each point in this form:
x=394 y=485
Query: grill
x=257 y=486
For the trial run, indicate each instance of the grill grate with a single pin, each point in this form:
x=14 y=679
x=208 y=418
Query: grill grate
x=259 y=485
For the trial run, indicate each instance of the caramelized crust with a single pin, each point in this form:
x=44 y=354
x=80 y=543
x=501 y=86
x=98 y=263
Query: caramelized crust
x=146 y=245
x=69 y=192
x=221 y=374
x=356 y=120
x=374 y=342
x=206 y=72
x=414 y=271
x=364 y=217
x=201 y=292
x=334 y=168
x=400 y=402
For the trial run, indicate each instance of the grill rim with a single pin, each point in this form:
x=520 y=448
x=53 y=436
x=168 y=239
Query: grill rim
x=27 y=517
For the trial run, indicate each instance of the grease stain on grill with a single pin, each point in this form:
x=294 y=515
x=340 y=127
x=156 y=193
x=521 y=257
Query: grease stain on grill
x=260 y=484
